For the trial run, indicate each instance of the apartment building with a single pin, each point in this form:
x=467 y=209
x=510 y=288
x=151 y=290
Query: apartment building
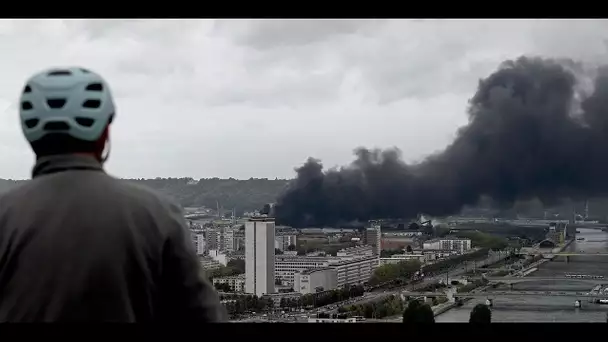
x=229 y=240
x=354 y=271
x=451 y=244
x=283 y=240
x=236 y=282
x=212 y=237
x=198 y=240
x=286 y=266
x=239 y=240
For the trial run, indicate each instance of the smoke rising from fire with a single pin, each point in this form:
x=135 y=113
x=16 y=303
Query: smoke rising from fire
x=537 y=128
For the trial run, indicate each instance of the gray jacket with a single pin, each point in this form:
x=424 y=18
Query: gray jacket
x=79 y=245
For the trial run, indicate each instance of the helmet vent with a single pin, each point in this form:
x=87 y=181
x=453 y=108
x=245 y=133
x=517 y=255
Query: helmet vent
x=60 y=73
x=56 y=103
x=85 y=71
x=26 y=105
x=91 y=104
x=95 y=87
x=31 y=123
x=56 y=126
x=87 y=122
x=27 y=89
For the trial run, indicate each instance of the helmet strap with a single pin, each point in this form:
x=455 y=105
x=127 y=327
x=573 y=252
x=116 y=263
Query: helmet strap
x=107 y=150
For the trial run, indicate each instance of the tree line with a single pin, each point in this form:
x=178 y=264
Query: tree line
x=323 y=298
x=237 y=305
x=386 y=307
x=243 y=195
x=403 y=272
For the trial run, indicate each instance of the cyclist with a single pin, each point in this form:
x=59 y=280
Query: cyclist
x=79 y=245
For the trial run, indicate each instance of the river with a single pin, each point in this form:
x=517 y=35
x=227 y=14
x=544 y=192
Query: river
x=550 y=309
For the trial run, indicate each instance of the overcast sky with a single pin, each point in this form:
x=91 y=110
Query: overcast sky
x=255 y=98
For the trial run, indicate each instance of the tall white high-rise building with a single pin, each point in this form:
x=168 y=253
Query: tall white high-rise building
x=259 y=255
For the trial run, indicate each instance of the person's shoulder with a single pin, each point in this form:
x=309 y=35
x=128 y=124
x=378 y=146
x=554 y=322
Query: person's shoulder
x=17 y=190
x=18 y=196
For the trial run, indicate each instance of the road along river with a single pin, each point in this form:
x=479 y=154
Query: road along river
x=551 y=309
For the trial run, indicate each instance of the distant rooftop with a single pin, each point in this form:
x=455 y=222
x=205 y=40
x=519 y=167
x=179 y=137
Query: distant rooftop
x=448 y=239
x=313 y=270
x=238 y=276
x=261 y=219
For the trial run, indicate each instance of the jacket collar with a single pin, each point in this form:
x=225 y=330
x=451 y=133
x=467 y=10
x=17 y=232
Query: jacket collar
x=65 y=162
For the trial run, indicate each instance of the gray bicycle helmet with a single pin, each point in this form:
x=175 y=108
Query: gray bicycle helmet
x=73 y=101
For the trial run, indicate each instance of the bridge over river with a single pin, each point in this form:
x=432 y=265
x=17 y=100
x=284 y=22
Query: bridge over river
x=515 y=280
x=499 y=294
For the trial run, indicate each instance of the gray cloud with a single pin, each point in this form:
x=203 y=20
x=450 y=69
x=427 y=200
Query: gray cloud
x=271 y=34
x=201 y=97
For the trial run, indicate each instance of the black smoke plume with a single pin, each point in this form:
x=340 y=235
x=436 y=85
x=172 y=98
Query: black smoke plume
x=537 y=128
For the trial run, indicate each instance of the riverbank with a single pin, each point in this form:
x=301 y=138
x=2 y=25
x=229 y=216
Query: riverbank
x=441 y=308
x=521 y=273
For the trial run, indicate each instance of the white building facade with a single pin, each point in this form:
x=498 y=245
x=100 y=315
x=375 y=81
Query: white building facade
x=315 y=280
x=286 y=266
x=458 y=245
x=259 y=256
x=357 y=270
x=349 y=270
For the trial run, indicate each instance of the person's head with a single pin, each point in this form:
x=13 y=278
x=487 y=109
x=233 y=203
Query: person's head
x=66 y=111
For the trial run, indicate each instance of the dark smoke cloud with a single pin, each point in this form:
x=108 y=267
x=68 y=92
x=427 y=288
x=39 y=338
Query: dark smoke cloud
x=536 y=129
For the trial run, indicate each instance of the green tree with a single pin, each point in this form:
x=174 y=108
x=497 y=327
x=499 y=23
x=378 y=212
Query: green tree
x=413 y=226
x=278 y=251
x=481 y=314
x=418 y=313
x=389 y=272
x=409 y=249
x=291 y=247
